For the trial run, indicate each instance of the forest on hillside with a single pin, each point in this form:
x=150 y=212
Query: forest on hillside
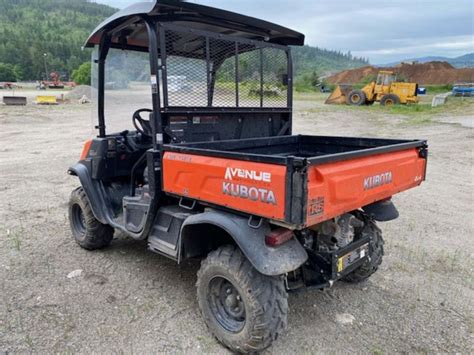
x=41 y=36
x=312 y=63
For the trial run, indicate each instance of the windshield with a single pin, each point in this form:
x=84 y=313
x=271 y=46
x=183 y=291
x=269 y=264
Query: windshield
x=385 y=79
x=127 y=88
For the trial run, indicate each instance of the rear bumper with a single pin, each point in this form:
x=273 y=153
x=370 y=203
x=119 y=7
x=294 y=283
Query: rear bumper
x=325 y=268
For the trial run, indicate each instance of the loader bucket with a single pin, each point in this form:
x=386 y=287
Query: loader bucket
x=46 y=100
x=14 y=100
x=338 y=96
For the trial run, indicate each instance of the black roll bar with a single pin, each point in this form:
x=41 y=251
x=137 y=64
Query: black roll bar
x=104 y=47
x=156 y=118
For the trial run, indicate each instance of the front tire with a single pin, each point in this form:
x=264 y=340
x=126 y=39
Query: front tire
x=370 y=266
x=245 y=310
x=390 y=100
x=87 y=231
x=356 y=98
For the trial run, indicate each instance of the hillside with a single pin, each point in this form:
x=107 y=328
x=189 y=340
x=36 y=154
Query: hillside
x=31 y=28
x=307 y=59
x=431 y=73
x=464 y=61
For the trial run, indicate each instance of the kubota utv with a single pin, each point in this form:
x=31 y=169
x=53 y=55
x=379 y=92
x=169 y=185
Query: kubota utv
x=211 y=170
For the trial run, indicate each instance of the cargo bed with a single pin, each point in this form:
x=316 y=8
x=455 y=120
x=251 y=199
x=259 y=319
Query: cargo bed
x=314 y=149
x=298 y=180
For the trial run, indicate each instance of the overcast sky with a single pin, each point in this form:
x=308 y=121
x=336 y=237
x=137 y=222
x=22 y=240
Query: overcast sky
x=384 y=31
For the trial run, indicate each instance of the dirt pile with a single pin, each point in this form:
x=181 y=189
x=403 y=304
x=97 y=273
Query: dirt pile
x=80 y=91
x=431 y=73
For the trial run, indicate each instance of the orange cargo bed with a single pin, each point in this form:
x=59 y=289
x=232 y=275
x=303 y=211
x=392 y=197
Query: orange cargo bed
x=296 y=180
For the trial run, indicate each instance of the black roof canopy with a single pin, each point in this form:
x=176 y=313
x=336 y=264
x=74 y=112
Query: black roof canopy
x=129 y=31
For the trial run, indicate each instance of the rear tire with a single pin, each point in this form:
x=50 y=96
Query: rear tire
x=370 y=266
x=356 y=98
x=245 y=310
x=390 y=100
x=87 y=231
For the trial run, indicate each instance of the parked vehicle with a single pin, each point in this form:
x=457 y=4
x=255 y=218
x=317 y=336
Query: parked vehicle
x=385 y=90
x=217 y=174
x=463 y=89
x=55 y=83
x=8 y=86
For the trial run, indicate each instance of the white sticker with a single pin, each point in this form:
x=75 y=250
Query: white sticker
x=153 y=80
x=362 y=253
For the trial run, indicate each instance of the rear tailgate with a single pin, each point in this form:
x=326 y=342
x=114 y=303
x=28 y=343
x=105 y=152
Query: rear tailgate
x=334 y=188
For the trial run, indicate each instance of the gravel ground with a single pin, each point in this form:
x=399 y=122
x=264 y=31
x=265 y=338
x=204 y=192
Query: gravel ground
x=129 y=300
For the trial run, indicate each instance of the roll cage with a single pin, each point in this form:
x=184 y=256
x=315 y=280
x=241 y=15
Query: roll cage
x=234 y=65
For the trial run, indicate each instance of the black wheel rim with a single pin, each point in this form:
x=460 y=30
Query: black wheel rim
x=78 y=219
x=226 y=304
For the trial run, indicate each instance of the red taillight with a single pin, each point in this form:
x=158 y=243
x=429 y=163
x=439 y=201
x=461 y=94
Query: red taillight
x=278 y=237
x=85 y=150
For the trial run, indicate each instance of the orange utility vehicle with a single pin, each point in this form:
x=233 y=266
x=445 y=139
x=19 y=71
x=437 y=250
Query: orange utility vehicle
x=214 y=172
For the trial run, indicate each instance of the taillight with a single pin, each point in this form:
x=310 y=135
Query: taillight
x=85 y=150
x=278 y=237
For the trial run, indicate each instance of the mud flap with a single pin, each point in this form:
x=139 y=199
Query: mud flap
x=251 y=240
x=381 y=211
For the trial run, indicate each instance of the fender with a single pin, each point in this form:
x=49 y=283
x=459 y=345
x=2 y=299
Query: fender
x=95 y=193
x=251 y=241
x=382 y=211
x=95 y=198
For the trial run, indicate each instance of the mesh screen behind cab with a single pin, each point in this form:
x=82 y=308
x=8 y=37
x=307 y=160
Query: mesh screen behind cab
x=206 y=71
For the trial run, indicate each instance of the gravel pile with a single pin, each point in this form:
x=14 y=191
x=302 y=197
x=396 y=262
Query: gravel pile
x=80 y=91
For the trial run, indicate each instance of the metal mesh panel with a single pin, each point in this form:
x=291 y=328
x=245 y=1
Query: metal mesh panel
x=222 y=55
x=249 y=76
x=275 y=73
x=186 y=77
x=214 y=72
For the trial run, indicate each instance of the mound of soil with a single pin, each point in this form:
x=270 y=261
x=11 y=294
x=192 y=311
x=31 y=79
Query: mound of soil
x=80 y=91
x=431 y=73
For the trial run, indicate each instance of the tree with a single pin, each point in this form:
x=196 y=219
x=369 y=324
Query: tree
x=7 y=72
x=82 y=75
x=314 y=79
x=18 y=72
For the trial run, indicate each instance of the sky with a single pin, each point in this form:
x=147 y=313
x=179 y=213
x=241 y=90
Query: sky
x=383 y=31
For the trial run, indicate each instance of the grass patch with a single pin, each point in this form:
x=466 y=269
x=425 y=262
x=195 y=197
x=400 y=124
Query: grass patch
x=310 y=96
x=445 y=262
x=377 y=351
x=418 y=121
x=437 y=89
x=15 y=237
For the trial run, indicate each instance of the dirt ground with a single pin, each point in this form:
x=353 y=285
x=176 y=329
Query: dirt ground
x=128 y=299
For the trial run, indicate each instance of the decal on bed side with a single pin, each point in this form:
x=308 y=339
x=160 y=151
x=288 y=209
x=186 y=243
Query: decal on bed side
x=255 y=188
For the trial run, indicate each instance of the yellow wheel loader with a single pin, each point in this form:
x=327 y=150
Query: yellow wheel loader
x=385 y=90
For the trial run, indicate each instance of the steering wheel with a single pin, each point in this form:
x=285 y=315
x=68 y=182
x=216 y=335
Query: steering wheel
x=141 y=125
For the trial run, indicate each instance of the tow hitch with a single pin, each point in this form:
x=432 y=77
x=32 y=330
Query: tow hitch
x=323 y=268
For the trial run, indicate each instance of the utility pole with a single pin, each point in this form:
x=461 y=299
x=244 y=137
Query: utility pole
x=45 y=55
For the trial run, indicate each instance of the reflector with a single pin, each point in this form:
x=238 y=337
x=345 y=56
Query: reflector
x=278 y=237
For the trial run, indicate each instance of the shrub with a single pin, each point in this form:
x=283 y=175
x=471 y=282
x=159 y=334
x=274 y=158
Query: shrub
x=7 y=72
x=82 y=75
